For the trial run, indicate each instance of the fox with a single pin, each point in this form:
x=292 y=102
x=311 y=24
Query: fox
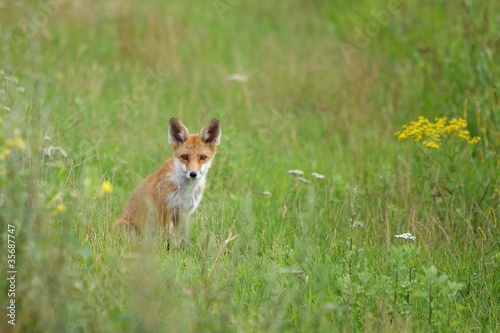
x=168 y=197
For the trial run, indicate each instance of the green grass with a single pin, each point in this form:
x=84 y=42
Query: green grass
x=102 y=78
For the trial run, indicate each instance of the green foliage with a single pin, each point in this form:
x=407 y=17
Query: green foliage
x=86 y=91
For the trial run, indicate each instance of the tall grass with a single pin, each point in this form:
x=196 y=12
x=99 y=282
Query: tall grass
x=87 y=89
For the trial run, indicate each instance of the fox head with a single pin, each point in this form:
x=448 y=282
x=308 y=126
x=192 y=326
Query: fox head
x=193 y=153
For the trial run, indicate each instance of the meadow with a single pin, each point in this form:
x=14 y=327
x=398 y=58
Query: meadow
x=325 y=87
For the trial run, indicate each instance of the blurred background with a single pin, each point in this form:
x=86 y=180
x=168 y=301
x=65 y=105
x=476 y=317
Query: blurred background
x=116 y=69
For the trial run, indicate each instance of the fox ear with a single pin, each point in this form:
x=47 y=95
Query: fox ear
x=210 y=134
x=177 y=132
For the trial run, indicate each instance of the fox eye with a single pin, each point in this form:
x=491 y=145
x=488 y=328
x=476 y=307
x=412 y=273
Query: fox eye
x=203 y=157
x=184 y=157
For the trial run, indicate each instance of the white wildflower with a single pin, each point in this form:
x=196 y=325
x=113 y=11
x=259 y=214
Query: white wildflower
x=405 y=235
x=49 y=151
x=303 y=180
x=356 y=224
x=267 y=193
x=296 y=172
x=317 y=175
x=238 y=78
x=12 y=79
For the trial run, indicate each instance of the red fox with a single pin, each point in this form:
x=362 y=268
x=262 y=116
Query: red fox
x=169 y=196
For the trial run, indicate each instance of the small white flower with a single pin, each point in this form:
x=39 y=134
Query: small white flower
x=405 y=235
x=317 y=175
x=12 y=79
x=296 y=172
x=303 y=180
x=238 y=78
x=267 y=193
x=51 y=149
x=46 y=137
x=78 y=285
x=356 y=224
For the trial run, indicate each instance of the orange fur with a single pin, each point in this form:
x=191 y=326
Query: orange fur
x=167 y=197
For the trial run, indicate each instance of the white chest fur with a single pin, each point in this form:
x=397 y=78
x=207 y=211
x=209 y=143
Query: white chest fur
x=187 y=196
x=187 y=192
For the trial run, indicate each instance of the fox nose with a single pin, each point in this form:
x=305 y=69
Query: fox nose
x=193 y=174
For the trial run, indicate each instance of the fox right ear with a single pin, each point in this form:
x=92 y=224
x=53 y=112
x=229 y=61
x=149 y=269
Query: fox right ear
x=210 y=134
x=177 y=132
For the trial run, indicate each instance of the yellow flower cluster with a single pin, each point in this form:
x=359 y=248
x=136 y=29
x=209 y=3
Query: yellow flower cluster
x=431 y=134
x=16 y=142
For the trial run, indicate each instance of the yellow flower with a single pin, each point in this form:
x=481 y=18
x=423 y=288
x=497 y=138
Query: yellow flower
x=4 y=153
x=432 y=144
x=61 y=208
x=431 y=134
x=16 y=143
x=106 y=187
x=474 y=140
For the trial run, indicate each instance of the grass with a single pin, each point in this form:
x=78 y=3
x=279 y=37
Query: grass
x=329 y=83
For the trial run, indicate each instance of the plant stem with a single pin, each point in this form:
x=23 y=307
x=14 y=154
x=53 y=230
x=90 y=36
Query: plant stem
x=430 y=305
x=395 y=298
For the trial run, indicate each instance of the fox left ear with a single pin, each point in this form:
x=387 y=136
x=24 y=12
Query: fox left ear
x=210 y=134
x=177 y=132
